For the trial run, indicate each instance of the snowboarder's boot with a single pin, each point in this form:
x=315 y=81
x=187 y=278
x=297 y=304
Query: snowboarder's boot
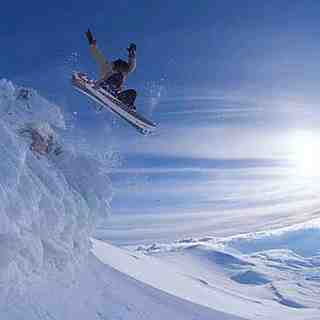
x=128 y=97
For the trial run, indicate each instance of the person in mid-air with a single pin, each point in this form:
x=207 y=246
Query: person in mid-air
x=113 y=75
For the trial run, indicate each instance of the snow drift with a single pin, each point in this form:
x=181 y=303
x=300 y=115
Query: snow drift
x=48 y=204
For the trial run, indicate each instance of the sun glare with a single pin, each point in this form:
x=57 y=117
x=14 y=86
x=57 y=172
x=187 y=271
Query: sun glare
x=305 y=153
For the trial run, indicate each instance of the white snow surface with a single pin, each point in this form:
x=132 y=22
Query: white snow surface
x=277 y=272
x=52 y=268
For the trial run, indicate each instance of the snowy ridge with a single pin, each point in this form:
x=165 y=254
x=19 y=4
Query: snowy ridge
x=279 y=265
x=256 y=241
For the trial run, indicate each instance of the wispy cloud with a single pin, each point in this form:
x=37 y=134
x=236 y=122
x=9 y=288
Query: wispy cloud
x=209 y=142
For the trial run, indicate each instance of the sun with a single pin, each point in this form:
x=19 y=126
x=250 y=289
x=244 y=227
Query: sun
x=305 y=153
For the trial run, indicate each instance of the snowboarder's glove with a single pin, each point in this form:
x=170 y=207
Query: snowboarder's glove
x=132 y=50
x=91 y=40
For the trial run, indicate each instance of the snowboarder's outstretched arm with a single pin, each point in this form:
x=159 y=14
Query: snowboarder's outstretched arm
x=100 y=59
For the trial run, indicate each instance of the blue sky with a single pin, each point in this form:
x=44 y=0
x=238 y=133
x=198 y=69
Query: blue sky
x=220 y=43
x=232 y=84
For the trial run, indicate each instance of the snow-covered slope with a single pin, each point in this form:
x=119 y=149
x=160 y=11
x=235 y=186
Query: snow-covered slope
x=276 y=271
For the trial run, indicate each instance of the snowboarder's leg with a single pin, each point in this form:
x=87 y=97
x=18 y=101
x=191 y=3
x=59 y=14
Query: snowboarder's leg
x=128 y=97
x=102 y=62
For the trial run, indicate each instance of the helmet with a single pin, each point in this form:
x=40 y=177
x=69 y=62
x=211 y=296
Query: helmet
x=120 y=65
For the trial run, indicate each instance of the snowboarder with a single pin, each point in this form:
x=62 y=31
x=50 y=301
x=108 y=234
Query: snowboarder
x=113 y=75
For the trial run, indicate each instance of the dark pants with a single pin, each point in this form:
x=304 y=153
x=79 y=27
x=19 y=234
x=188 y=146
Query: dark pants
x=114 y=83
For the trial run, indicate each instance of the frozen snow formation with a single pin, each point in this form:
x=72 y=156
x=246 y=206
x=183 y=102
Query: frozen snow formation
x=48 y=204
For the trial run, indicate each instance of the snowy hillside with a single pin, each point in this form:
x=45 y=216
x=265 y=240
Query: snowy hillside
x=274 y=273
x=51 y=267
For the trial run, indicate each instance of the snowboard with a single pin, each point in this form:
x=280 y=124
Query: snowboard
x=107 y=100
